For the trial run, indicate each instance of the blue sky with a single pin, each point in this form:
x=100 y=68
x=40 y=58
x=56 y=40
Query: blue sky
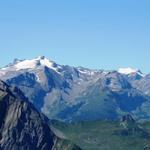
x=92 y=33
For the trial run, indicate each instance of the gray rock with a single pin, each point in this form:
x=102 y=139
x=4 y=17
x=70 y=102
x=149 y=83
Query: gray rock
x=22 y=127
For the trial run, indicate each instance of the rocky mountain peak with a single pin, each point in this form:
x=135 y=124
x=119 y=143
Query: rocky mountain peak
x=127 y=118
x=23 y=127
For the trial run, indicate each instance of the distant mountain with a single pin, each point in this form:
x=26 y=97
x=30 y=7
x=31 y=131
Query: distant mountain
x=76 y=93
x=130 y=71
x=22 y=127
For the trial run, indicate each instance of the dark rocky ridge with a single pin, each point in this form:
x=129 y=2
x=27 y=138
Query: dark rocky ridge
x=22 y=127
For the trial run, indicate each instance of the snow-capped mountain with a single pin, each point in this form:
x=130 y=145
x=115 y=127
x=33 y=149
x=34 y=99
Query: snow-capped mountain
x=30 y=65
x=77 y=93
x=129 y=71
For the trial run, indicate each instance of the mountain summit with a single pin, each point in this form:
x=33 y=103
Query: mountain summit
x=129 y=70
x=31 y=64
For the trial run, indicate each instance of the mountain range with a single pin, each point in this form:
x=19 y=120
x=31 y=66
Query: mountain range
x=73 y=94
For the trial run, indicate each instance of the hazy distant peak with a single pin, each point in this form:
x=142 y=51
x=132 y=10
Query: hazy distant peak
x=129 y=71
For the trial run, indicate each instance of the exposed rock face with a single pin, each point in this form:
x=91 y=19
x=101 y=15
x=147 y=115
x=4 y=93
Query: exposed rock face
x=22 y=127
x=127 y=118
x=132 y=128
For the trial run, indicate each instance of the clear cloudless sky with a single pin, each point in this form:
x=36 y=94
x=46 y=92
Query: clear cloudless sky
x=98 y=34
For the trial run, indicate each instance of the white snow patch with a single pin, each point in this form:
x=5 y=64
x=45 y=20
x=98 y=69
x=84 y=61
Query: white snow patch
x=4 y=68
x=26 y=64
x=38 y=78
x=127 y=70
x=88 y=72
x=34 y=64
x=48 y=63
